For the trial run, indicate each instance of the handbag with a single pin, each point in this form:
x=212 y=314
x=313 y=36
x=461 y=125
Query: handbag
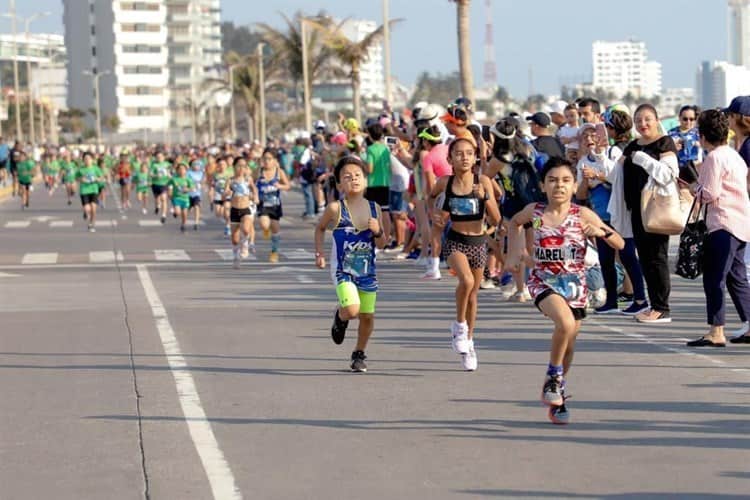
x=690 y=253
x=665 y=213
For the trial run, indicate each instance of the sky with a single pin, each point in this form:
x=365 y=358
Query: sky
x=551 y=37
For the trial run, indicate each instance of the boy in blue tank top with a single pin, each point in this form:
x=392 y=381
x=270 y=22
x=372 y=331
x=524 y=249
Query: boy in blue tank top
x=357 y=230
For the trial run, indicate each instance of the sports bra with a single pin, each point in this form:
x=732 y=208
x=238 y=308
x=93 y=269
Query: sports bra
x=240 y=188
x=463 y=207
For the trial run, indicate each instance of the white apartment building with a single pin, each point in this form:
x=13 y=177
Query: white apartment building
x=195 y=52
x=45 y=54
x=718 y=82
x=128 y=40
x=372 y=73
x=739 y=32
x=623 y=67
x=674 y=98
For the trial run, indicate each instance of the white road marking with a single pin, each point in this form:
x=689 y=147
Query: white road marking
x=298 y=254
x=40 y=258
x=228 y=254
x=17 y=224
x=43 y=218
x=105 y=223
x=171 y=255
x=149 y=223
x=9 y=275
x=220 y=477
x=280 y=269
x=105 y=256
x=61 y=223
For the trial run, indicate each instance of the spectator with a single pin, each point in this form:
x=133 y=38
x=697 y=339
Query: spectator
x=545 y=143
x=379 y=174
x=685 y=137
x=652 y=156
x=722 y=187
x=568 y=133
x=589 y=110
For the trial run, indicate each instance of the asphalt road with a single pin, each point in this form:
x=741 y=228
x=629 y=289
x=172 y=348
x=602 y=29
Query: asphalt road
x=136 y=363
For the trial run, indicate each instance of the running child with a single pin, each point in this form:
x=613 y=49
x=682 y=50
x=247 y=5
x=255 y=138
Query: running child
x=124 y=172
x=220 y=180
x=90 y=177
x=357 y=229
x=68 y=170
x=242 y=196
x=142 y=182
x=272 y=180
x=197 y=175
x=25 y=172
x=179 y=190
x=558 y=280
x=159 y=180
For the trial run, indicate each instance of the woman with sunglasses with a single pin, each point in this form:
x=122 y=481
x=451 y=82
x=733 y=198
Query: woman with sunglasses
x=687 y=141
x=467 y=201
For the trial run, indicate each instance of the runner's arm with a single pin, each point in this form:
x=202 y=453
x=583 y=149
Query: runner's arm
x=492 y=210
x=329 y=215
x=284 y=184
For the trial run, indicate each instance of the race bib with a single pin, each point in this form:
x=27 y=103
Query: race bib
x=357 y=263
x=464 y=206
x=568 y=285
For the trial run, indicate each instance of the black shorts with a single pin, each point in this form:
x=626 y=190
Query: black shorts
x=89 y=198
x=474 y=247
x=3 y=164
x=124 y=182
x=219 y=202
x=236 y=214
x=273 y=213
x=381 y=196
x=158 y=190
x=195 y=201
x=578 y=312
x=13 y=168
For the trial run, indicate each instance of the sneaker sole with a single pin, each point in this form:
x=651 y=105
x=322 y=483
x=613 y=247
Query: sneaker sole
x=553 y=418
x=608 y=311
x=359 y=370
x=654 y=321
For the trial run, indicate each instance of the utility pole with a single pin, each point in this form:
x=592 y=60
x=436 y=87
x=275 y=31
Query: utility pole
x=262 y=91
x=306 y=77
x=96 y=77
x=387 y=51
x=232 y=119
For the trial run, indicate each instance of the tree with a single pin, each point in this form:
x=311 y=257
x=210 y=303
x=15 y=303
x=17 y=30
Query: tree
x=238 y=39
x=112 y=123
x=502 y=95
x=439 y=89
x=71 y=120
x=351 y=53
x=286 y=48
x=464 y=48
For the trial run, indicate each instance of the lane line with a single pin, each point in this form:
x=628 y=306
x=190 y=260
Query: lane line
x=220 y=477
x=176 y=255
x=105 y=256
x=149 y=223
x=61 y=223
x=17 y=224
x=40 y=258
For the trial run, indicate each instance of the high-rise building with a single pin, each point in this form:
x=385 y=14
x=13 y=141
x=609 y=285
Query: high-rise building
x=371 y=73
x=622 y=67
x=718 y=82
x=194 y=47
x=156 y=53
x=45 y=54
x=739 y=32
x=128 y=40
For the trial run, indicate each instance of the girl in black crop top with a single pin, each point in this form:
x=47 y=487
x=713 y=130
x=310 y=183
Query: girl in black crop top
x=468 y=200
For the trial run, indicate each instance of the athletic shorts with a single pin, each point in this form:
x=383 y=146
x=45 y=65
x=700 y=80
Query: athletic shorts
x=219 y=202
x=379 y=195
x=24 y=184
x=273 y=213
x=195 y=201
x=3 y=164
x=89 y=198
x=579 y=313
x=180 y=203
x=158 y=190
x=236 y=214
x=141 y=189
x=124 y=182
x=397 y=202
x=473 y=247
x=350 y=295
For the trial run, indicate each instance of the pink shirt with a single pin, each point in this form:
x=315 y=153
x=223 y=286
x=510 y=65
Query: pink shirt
x=723 y=186
x=436 y=161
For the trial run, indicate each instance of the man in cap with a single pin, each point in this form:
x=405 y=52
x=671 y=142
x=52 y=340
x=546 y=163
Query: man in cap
x=545 y=141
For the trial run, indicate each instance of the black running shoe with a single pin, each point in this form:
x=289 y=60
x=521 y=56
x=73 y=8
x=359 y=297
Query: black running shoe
x=182 y=228
x=553 y=391
x=195 y=227
x=358 y=362
x=156 y=211
x=559 y=415
x=338 y=329
x=163 y=220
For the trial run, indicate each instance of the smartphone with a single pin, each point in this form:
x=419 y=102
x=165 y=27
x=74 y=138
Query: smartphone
x=601 y=134
x=391 y=141
x=486 y=133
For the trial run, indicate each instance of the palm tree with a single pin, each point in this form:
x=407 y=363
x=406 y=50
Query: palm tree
x=286 y=47
x=464 y=48
x=351 y=53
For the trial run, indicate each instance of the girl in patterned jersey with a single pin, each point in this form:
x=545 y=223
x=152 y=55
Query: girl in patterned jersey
x=242 y=196
x=558 y=282
x=357 y=229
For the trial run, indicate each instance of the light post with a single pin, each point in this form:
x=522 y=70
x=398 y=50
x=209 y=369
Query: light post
x=306 y=76
x=96 y=76
x=262 y=92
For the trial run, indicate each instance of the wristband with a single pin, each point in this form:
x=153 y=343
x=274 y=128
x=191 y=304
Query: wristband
x=378 y=234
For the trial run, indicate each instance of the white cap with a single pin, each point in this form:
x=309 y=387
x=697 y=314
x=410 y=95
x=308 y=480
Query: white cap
x=558 y=107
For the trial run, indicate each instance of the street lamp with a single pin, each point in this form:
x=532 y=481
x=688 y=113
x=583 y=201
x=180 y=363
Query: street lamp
x=96 y=76
x=306 y=76
x=262 y=92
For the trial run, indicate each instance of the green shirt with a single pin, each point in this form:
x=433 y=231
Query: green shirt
x=69 y=169
x=142 y=180
x=88 y=178
x=379 y=156
x=52 y=168
x=25 y=171
x=160 y=173
x=181 y=187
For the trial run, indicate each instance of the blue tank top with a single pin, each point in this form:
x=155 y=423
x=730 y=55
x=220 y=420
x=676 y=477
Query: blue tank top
x=353 y=253
x=239 y=188
x=268 y=190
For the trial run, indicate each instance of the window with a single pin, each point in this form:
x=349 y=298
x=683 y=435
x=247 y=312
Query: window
x=93 y=30
x=139 y=6
x=140 y=27
x=93 y=51
x=143 y=90
x=142 y=70
x=141 y=49
x=144 y=111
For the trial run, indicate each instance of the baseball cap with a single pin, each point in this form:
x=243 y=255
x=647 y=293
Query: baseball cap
x=319 y=124
x=541 y=119
x=558 y=107
x=739 y=105
x=351 y=124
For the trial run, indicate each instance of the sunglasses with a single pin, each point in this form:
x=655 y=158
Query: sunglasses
x=687 y=119
x=427 y=135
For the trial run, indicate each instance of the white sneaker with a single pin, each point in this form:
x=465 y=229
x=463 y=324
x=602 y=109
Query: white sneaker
x=460 y=337
x=469 y=360
x=432 y=275
x=396 y=249
x=507 y=291
x=245 y=250
x=742 y=330
x=487 y=284
x=422 y=261
x=144 y=211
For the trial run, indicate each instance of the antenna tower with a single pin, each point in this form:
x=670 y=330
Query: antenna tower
x=490 y=69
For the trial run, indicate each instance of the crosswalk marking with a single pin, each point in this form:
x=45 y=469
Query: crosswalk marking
x=105 y=223
x=149 y=223
x=61 y=223
x=18 y=224
x=298 y=254
x=105 y=257
x=40 y=258
x=228 y=254
x=171 y=255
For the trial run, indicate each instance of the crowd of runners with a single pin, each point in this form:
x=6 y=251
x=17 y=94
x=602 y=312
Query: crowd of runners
x=549 y=207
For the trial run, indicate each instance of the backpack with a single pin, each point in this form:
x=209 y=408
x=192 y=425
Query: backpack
x=525 y=183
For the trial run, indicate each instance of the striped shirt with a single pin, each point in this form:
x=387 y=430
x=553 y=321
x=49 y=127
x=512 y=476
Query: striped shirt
x=723 y=186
